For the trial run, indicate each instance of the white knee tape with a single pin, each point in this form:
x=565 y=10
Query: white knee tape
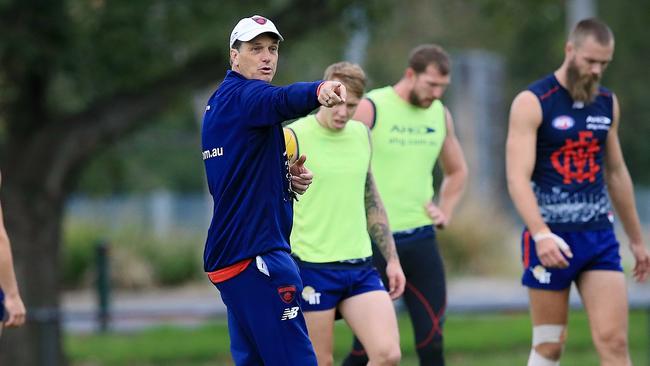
x=535 y=359
x=547 y=333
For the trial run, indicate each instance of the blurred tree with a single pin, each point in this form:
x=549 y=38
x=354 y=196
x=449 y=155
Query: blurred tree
x=627 y=78
x=78 y=75
x=530 y=35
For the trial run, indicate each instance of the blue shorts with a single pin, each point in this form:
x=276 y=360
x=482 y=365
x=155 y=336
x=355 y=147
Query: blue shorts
x=325 y=288
x=2 y=306
x=592 y=250
x=265 y=322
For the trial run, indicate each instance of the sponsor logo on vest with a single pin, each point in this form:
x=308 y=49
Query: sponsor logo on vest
x=576 y=160
x=208 y=154
x=598 y=122
x=412 y=130
x=563 y=122
x=412 y=135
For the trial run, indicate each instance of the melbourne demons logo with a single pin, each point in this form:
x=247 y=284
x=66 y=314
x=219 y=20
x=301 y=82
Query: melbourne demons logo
x=287 y=293
x=259 y=20
x=576 y=160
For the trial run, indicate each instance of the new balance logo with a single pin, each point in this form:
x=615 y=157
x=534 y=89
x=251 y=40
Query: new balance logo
x=290 y=313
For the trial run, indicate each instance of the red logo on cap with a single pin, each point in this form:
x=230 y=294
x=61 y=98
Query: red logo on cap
x=259 y=20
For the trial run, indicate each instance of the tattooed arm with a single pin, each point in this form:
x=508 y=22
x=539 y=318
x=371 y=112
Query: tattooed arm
x=378 y=221
x=382 y=237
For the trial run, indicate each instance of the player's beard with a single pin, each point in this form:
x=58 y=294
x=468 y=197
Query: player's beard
x=583 y=88
x=415 y=100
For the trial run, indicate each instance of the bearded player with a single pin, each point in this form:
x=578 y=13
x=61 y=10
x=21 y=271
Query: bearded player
x=564 y=162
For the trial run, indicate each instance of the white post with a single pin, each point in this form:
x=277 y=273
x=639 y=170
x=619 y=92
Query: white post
x=358 y=41
x=576 y=10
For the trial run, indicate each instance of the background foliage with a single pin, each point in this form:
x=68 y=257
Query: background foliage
x=529 y=34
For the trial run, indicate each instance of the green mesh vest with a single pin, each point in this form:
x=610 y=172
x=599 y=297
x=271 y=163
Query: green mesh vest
x=329 y=220
x=406 y=142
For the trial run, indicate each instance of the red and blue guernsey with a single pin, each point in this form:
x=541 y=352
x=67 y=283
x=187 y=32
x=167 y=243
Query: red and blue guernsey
x=568 y=175
x=246 y=166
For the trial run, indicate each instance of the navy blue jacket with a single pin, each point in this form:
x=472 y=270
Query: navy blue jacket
x=246 y=166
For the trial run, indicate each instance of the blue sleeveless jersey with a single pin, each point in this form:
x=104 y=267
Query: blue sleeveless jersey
x=568 y=175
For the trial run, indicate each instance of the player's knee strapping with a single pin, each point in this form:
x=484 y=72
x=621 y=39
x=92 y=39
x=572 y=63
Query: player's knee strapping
x=535 y=359
x=547 y=333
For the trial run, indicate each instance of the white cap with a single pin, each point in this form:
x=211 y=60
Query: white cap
x=249 y=28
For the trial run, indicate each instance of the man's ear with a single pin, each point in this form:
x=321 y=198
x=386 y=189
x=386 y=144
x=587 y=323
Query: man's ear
x=409 y=73
x=233 y=57
x=569 y=48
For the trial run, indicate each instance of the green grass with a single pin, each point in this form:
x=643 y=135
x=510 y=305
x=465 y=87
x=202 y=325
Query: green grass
x=486 y=340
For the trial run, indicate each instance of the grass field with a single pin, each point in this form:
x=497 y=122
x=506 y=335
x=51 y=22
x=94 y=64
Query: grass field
x=486 y=340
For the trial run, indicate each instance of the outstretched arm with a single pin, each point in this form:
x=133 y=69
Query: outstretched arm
x=621 y=191
x=267 y=105
x=382 y=237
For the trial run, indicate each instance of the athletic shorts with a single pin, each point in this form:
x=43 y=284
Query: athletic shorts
x=265 y=322
x=325 y=288
x=592 y=250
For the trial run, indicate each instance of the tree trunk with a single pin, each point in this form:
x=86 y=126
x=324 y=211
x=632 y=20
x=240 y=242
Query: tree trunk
x=34 y=228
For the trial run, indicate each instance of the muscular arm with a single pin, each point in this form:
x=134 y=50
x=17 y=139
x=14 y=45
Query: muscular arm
x=619 y=182
x=621 y=191
x=378 y=221
x=13 y=302
x=525 y=118
x=7 y=277
x=454 y=168
x=380 y=234
x=365 y=112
